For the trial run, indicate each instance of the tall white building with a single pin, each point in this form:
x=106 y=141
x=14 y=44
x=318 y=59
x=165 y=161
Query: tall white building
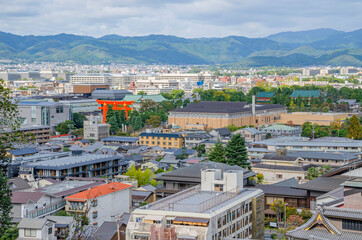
x=219 y=208
x=91 y=78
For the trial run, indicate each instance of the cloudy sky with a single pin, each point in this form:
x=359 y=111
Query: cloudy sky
x=186 y=18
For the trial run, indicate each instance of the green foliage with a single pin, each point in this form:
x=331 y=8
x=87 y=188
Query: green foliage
x=11 y=233
x=154 y=121
x=141 y=93
x=233 y=128
x=66 y=149
x=78 y=120
x=5 y=203
x=201 y=149
x=65 y=127
x=354 y=129
x=62 y=213
x=306 y=214
x=236 y=153
x=142 y=177
x=217 y=153
x=315 y=172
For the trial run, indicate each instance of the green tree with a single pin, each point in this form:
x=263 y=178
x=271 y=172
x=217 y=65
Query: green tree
x=62 y=213
x=201 y=149
x=354 y=129
x=65 y=127
x=10 y=134
x=217 y=153
x=313 y=172
x=154 y=121
x=306 y=214
x=233 y=128
x=236 y=153
x=11 y=233
x=78 y=120
x=278 y=207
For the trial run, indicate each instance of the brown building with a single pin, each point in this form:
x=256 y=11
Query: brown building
x=88 y=88
x=209 y=115
x=322 y=119
x=41 y=133
x=164 y=140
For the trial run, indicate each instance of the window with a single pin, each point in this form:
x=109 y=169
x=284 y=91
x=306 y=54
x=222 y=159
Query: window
x=95 y=203
x=279 y=176
x=59 y=109
x=218 y=187
x=95 y=214
x=353 y=225
x=175 y=143
x=29 y=232
x=33 y=120
x=50 y=230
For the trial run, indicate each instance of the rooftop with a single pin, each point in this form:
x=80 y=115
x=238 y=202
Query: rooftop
x=194 y=200
x=120 y=139
x=224 y=107
x=172 y=135
x=99 y=191
x=305 y=93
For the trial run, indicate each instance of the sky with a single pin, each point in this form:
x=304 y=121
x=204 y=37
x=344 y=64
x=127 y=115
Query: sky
x=184 y=18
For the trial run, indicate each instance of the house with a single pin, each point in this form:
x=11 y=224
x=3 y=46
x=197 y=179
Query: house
x=64 y=226
x=170 y=161
x=187 y=177
x=264 y=97
x=101 y=203
x=343 y=221
x=82 y=143
x=140 y=197
x=278 y=130
x=153 y=165
x=257 y=153
x=250 y=134
x=329 y=181
x=219 y=133
x=353 y=105
x=194 y=139
x=35 y=229
x=108 y=230
x=17 y=184
x=22 y=152
x=120 y=140
x=279 y=166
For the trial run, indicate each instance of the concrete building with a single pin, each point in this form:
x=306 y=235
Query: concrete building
x=95 y=165
x=93 y=129
x=311 y=71
x=88 y=88
x=164 y=140
x=250 y=134
x=43 y=113
x=348 y=70
x=219 y=208
x=208 y=115
x=192 y=77
x=325 y=144
x=322 y=119
x=85 y=106
x=107 y=202
x=91 y=78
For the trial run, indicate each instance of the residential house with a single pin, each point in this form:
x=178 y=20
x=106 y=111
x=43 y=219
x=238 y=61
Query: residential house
x=278 y=130
x=163 y=140
x=194 y=139
x=101 y=203
x=120 y=140
x=219 y=133
x=35 y=229
x=250 y=134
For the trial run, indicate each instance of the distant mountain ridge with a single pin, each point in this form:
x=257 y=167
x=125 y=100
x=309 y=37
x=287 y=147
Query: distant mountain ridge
x=303 y=48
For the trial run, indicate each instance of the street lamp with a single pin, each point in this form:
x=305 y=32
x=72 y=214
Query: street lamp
x=285 y=215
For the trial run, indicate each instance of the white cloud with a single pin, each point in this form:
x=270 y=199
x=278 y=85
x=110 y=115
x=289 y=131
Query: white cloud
x=187 y=18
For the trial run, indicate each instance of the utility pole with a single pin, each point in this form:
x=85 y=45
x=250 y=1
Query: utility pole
x=285 y=215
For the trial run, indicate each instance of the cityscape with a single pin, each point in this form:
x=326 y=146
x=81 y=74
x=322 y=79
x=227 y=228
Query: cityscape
x=119 y=124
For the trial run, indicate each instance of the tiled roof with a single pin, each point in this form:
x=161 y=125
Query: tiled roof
x=305 y=93
x=23 y=151
x=224 y=107
x=120 y=139
x=139 y=98
x=32 y=223
x=279 y=158
x=24 y=197
x=265 y=94
x=323 y=184
x=282 y=190
x=222 y=131
x=281 y=167
x=99 y=191
x=172 y=135
x=17 y=184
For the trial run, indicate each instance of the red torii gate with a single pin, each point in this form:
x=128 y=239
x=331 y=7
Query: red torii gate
x=124 y=106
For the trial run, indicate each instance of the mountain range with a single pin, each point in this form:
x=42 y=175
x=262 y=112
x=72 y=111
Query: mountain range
x=303 y=48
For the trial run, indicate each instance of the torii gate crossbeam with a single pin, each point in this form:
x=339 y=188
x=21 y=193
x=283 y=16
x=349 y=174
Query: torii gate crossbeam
x=117 y=105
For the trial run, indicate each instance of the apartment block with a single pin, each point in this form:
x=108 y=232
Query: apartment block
x=93 y=129
x=91 y=78
x=219 y=208
x=103 y=203
x=164 y=140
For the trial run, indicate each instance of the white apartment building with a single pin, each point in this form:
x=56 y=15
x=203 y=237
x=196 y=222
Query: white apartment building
x=311 y=71
x=217 y=209
x=193 y=77
x=91 y=78
x=348 y=70
x=106 y=202
x=93 y=129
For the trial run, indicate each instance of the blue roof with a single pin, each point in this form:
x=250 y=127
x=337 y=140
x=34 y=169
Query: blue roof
x=120 y=139
x=45 y=104
x=172 y=135
x=23 y=151
x=187 y=151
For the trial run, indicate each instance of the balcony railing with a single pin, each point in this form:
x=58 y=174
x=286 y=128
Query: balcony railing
x=75 y=208
x=40 y=212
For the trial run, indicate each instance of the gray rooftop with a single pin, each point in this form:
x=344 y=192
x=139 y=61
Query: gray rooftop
x=32 y=223
x=73 y=161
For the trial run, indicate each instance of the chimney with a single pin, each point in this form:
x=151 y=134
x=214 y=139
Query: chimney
x=253 y=105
